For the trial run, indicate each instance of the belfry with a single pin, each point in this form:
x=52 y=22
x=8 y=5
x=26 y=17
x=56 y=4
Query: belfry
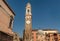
x=28 y=23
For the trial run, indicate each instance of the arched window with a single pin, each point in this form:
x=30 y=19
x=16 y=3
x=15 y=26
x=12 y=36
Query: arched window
x=28 y=10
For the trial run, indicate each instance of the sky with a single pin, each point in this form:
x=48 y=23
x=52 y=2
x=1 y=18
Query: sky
x=45 y=14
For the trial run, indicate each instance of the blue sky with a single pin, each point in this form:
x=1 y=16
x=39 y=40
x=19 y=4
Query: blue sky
x=45 y=14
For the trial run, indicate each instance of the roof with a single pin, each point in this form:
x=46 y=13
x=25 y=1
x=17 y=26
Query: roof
x=8 y=7
x=34 y=29
x=44 y=29
x=49 y=29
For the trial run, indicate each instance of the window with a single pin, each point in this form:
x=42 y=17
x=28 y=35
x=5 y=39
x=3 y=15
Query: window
x=11 y=19
x=28 y=10
x=0 y=5
x=41 y=40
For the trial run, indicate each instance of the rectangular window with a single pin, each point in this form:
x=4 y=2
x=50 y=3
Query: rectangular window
x=11 y=19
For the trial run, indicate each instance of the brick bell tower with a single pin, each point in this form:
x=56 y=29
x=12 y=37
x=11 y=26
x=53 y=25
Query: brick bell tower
x=28 y=23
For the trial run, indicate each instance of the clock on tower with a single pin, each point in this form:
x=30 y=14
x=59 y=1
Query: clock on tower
x=28 y=23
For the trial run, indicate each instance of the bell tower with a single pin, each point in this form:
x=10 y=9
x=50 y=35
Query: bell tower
x=28 y=17
x=28 y=23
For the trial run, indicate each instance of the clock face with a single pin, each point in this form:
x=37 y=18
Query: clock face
x=28 y=22
x=28 y=17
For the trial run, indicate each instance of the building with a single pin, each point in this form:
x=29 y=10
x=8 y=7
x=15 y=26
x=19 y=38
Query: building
x=45 y=35
x=34 y=36
x=16 y=37
x=58 y=36
x=28 y=23
x=42 y=34
x=21 y=39
x=6 y=22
